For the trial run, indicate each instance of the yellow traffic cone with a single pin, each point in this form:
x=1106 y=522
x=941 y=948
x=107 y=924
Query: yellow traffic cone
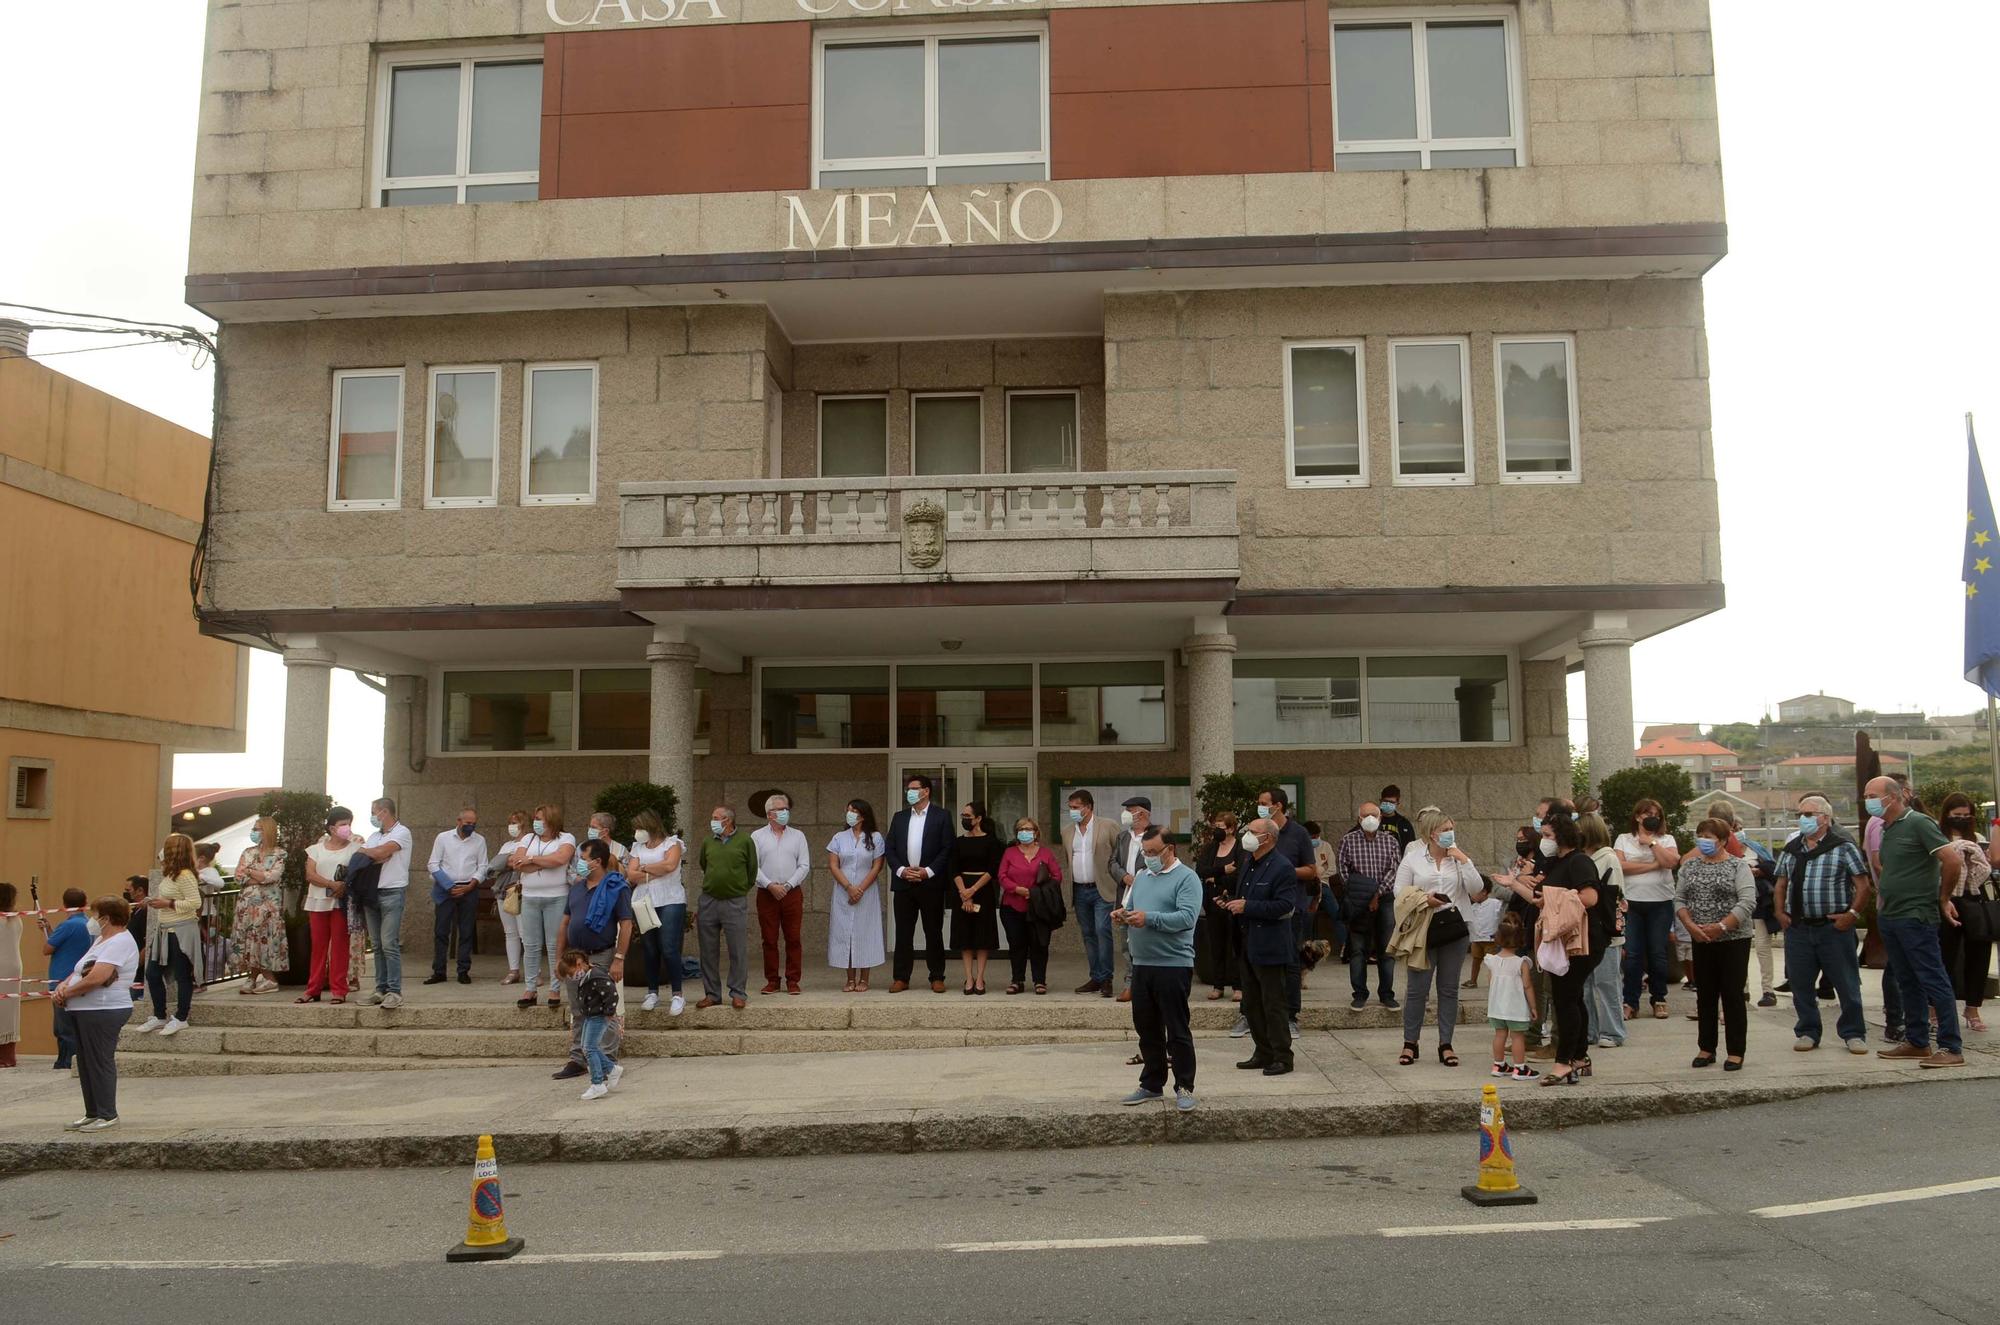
x=486 y=1226
x=1497 y=1184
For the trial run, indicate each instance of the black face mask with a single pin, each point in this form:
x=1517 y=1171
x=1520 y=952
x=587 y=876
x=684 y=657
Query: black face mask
x=1651 y=823
x=965 y=822
x=1524 y=849
x=465 y=830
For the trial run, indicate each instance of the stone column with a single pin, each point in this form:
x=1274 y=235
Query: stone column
x=308 y=683
x=1211 y=654
x=671 y=758
x=1607 y=694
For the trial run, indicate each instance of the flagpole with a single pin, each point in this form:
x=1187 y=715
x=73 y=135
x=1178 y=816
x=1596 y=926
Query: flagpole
x=1992 y=708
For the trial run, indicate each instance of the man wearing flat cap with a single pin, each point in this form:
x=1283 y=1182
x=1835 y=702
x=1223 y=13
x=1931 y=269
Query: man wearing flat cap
x=1134 y=819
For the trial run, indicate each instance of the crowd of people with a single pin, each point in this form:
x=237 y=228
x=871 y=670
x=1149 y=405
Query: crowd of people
x=1576 y=935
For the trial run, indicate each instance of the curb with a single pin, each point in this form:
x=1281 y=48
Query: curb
x=921 y=1132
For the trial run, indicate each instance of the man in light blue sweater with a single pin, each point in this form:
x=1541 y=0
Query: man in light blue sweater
x=1159 y=921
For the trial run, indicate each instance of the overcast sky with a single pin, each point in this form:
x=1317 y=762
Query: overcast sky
x=1850 y=329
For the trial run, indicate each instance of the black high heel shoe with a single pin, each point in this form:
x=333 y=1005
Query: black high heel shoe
x=1703 y=1060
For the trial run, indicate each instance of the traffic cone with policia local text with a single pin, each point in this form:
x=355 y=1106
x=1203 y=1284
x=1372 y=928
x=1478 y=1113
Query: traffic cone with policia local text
x=486 y=1226
x=1497 y=1184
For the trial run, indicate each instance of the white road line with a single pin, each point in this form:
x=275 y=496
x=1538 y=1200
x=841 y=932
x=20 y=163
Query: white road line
x=166 y=1265
x=1544 y=1226
x=1878 y=1198
x=601 y=1257
x=1079 y=1244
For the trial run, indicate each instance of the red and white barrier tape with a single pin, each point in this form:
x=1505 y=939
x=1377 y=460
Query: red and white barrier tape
x=48 y=911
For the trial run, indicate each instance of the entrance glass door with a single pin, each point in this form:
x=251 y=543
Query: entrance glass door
x=1006 y=789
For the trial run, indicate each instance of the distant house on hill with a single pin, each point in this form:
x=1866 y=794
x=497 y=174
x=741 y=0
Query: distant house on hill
x=1698 y=756
x=1815 y=708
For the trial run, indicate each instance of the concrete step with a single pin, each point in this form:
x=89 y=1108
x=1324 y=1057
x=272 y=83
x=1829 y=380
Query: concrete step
x=901 y=1013
x=463 y=1047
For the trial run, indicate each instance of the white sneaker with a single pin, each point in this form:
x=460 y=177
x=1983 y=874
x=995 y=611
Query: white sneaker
x=652 y=1001
x=376 y=999
x=174 y=1026
x=391 y=1001
x=151 y=1024
x=79 y=1124
x=596 y=1092
x=1606 y=1042
x=616 y=1075
x=1295 y=1030
x=678 y=1006
x=1240 y=1029
x=99 y=1125
x=1857 y=1045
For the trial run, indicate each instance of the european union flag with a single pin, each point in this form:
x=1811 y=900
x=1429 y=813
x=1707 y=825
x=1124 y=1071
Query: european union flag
x=1982 y=587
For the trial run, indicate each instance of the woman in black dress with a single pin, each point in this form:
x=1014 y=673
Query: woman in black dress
x=975 y=918
x=1218 y=936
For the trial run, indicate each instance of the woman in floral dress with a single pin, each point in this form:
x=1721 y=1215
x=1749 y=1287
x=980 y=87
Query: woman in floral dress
x=258 y=933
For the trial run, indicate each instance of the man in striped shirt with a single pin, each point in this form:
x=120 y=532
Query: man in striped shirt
x=1822 y=885
x=1367 y=859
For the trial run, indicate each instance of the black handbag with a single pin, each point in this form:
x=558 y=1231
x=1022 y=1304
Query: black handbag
x=1978 y=916
x=1045 y=899
x=1447 y=927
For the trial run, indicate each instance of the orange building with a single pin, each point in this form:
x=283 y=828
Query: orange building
x=104 y=674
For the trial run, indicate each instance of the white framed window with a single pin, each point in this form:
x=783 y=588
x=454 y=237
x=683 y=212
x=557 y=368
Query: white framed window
x=854 y=436
x=458 y=126
x=462 y=437
x=559 y=434
x=1427 y=89
x=365 y=446
x=1326 y=415
x=1295 y=701
x=957 y=104
x=1535 y=386
x=1042 y=432
x=947 y=432
x=1430 y=416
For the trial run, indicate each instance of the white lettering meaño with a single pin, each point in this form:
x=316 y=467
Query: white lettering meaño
x=869 y=220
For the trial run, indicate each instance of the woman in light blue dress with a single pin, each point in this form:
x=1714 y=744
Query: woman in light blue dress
x=854 y=941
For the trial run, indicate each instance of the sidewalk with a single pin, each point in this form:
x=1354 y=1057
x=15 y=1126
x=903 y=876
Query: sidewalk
x=975 y=1098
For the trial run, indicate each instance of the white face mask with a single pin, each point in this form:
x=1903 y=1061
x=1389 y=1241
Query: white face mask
x=1370 y=822
x=1249 y=840
x=1549 y=847
x=513 y=831
x=1125 y=818
x=94 y=928
x=643 y=838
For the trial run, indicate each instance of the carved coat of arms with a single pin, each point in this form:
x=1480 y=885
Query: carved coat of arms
x=923 y=534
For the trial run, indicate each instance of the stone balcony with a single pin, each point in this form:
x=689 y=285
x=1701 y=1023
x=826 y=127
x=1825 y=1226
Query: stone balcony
x=928 y=529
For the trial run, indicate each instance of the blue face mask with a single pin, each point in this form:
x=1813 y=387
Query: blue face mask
x=1025 y=837
x=541 y=828
x=1708 y=846
x=1076 y=816
x=715 y=826
x=1264 y=811
x=1388 y=807
x=590 y=834
x=1874 y=806
x=1448 y=838
x=1808 y=824
x=375 y=822
x=781 y=817
x=911 y=796
x=256 y=837
x=1537 y=821
x=1154 y=864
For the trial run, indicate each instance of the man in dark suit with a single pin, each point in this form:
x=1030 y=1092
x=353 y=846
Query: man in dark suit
x=919 y=857
x=1267 y=899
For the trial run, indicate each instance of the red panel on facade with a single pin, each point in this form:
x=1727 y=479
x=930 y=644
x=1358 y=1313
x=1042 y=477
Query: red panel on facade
x=1185 y=89
x=732 y=150
x=677 y=110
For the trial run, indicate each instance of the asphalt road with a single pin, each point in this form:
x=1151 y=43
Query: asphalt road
x=1266 y=1232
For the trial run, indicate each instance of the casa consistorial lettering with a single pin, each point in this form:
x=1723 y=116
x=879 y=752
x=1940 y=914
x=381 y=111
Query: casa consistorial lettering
x=599 y=13
x=872 y=219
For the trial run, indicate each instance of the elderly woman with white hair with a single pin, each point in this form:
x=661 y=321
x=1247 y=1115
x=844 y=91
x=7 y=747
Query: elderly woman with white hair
x=1450 y=883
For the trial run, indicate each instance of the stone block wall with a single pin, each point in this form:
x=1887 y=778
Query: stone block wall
x=1192 y=376
x=680 y=396
x=1619 y=100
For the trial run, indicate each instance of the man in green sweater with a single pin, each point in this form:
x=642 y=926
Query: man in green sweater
x=728 y=872
x=1159 y=922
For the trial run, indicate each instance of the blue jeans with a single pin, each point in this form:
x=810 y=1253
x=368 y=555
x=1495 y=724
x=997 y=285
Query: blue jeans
x=1649 y=936
x=594 y=1031
x=1336 y=917
x=1093 y=921
x=385 y=935
x=541 y=933
x=662 y=947
x=1606 y=1017
x=1815 y=950
x=65 y=1030
x=1917 y=963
